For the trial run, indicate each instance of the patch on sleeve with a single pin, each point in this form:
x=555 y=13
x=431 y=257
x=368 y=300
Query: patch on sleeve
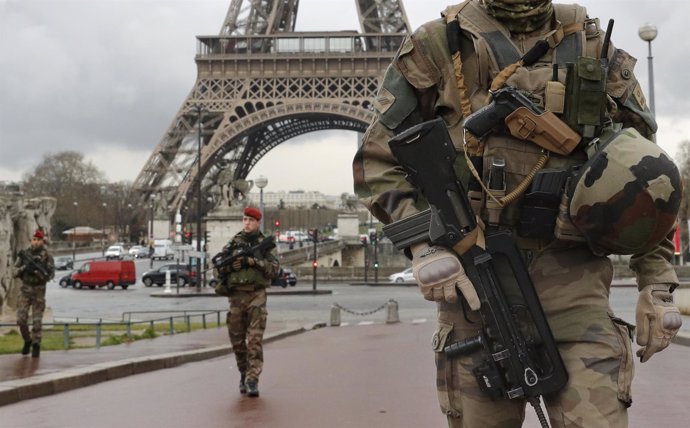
x=396 y=99
x=639 y=96
x=384 y=100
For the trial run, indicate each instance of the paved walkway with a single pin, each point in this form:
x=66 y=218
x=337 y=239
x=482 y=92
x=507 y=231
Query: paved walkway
x=377 y=375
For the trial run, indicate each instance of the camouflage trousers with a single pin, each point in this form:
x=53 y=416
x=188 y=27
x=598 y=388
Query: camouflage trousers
x=246 y=324
x=31 y=298
x=573 y=286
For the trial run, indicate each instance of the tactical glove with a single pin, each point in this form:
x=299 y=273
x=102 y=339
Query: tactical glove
x=658 y=320
x=237 y=264
x=438 y=271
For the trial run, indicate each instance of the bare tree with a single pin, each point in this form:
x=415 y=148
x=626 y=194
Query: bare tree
x=67 y=177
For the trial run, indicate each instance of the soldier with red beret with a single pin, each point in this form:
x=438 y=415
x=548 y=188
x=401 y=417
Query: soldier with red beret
x=245 y=285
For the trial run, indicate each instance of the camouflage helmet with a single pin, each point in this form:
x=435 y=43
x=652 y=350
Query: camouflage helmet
x=520 y=16
x=626 y=197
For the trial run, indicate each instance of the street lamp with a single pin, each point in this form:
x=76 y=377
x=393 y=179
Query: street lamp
x=261 y=182
x=199 y=110
x=149 y=244
x=648 y=33
x=74 y=232
x=103 y=231
x=128 y=226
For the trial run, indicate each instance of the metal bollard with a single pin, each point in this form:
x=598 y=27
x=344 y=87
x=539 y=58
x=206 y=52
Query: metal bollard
x=335 y=316
x=392 y=316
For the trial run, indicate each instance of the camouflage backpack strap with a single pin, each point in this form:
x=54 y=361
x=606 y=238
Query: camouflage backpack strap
x=498 y=54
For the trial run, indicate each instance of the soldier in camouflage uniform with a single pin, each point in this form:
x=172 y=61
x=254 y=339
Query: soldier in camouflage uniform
x=245 y=284
x=32 y=295
x=572 y=277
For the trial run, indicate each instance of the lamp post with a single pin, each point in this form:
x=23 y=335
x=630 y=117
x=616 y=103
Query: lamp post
x=103 y=231
x=128 y=226
x=149 y=244
x=261 y=182
x=74 y=232
x=199 y=110
x=648 y=33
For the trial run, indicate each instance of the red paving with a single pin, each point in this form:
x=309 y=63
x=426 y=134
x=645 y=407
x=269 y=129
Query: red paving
x=354 y=376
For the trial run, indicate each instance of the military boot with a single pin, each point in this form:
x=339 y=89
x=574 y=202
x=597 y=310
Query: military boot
x=36 y=350
x=26 y=348
x=252 y=388
x=243 y=385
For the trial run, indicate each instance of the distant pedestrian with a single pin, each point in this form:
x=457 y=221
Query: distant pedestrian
x=35 y=267
x=245 y=283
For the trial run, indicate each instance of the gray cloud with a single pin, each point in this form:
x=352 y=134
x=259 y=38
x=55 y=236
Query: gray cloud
x=107 y=77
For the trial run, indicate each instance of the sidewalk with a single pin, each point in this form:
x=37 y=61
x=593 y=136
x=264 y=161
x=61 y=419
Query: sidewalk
x=374 y=375
x=23 y=377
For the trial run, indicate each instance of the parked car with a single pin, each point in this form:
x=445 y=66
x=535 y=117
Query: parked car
x=139 y=252
x=105 y=273
x=115 y=252
x=404 y=276
x=66 y=280
x=179 y=274
x=285 y=277
x=64 y=263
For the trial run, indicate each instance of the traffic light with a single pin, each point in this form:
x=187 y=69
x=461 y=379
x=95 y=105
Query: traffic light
x=376 y=264
x=315 y=264
x=363 y=239
x=372 y=238
x=277 y=224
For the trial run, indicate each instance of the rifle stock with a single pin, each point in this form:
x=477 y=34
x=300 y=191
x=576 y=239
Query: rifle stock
x=520 y=357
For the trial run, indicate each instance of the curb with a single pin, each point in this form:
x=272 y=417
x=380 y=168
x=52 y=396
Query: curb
x=162 y=294
x=16 y=390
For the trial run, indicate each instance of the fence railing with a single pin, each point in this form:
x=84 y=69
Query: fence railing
x=72 y=329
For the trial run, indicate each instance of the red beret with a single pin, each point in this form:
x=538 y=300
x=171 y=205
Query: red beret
x=253 y=213
x=39 y=234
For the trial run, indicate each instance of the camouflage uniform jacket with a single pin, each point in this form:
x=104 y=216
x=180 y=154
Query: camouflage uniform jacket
x=421 y=84
x=30 y=277
x=251 y=278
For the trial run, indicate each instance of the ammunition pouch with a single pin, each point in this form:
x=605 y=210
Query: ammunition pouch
x=222 y=289
x=539 y=206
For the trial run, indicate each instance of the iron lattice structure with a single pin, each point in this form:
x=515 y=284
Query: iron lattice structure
x=260 y=83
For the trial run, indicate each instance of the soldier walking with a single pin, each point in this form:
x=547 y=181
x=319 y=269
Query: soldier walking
x=245 y=282
x=35 y=267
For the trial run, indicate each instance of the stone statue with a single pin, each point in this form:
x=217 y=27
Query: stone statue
x=228 y=190
x=19 y=218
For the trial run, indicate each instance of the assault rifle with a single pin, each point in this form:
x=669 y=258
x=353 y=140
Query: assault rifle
x=34 y=266
x=520 y=357
x=225 y=259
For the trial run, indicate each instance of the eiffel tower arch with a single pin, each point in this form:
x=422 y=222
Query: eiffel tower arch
x=259 y=83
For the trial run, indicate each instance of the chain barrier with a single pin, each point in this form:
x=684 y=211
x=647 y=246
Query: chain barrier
x=361 y=314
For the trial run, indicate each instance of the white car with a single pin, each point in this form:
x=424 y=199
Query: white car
x=114 y=252
x=404 y=276
x=138 y=251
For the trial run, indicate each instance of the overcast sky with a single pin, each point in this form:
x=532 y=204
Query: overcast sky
x=106 y=77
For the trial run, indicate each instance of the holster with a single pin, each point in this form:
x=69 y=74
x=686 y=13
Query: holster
x=545 y=130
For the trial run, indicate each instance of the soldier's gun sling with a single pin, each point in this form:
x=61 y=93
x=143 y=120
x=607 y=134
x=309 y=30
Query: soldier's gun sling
x=520 y=357
x=34 y=266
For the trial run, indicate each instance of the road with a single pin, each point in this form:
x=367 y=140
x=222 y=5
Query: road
x=88 y=305
x=109 y=305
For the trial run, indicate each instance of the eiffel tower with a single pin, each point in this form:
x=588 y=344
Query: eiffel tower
x=260 y=83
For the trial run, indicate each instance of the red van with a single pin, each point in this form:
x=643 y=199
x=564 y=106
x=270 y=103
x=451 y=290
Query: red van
x=105 y=273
